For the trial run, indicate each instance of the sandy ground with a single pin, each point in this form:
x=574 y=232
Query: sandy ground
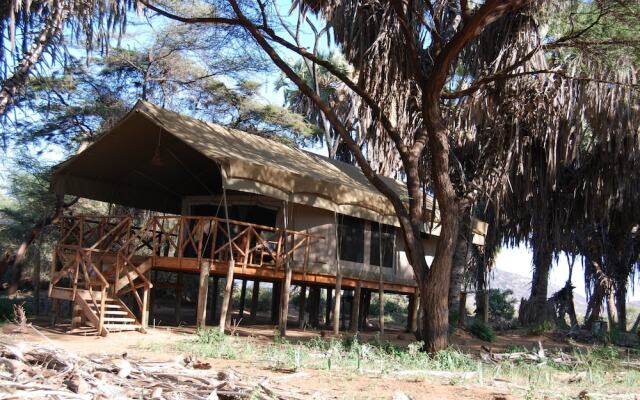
x=318 y=384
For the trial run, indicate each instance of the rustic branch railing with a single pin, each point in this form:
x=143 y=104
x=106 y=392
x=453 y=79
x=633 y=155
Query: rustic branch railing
x=203 y=238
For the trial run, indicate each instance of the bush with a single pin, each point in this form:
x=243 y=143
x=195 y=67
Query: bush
x=6 y=308
x=482 y=331
x=501 y=304
x=542 y=328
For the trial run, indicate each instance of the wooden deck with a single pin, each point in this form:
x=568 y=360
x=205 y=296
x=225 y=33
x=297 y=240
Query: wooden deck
x=98 y=260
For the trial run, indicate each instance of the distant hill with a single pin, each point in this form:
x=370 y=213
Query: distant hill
x=521 y=286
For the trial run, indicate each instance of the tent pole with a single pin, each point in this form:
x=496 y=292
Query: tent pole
x=229 y=283
x=284 y=305
x=381 y=287
x=338 y=294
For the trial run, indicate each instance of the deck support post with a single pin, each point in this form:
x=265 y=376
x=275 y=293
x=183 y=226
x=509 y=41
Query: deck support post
x=381 y=317
x=275 y=302
x=355 y=307
x=178 y=305
x=338 y=296
x=327 y=311
x=213 y=300
x=288 y=272
x=55 y=311
x=337 y=299
x=243 y=296
x=314 y=304
x=412 y=320
x=144 y=320
x=228 y=287
x=76 y=316
x=380 y=282
x=203 y=289
x=255 y=296
x=302 y=305
x=366 y=306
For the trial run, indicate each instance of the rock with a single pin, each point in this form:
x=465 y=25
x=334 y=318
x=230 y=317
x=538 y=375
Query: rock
x=77 y=385
x=124 y=368
x=400 y=396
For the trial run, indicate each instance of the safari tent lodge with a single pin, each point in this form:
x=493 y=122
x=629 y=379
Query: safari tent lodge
x=223 y=203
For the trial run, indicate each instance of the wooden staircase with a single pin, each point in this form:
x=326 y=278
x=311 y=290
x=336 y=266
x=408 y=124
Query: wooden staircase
x=96 y=291
x=112 y=316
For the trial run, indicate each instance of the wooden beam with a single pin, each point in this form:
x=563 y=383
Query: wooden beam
x=203 y=291
x=145 y=307
x=327 y=311
x=275 y=302
x=284 y=303
x=55 y=311
x=178 y=305
x=381 y=317
x=268 y=273
x=255 y=297
x=225 y=314
x=243 y=295
x=355 y=308
x=336 y=304
x=213 y=303
x=314 y=306
x=302 y=305
x=412 y=314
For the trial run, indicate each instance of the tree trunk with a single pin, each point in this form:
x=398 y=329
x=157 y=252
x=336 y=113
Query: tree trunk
x=459 y=261
x=539 y=285
x=611 y=309
x=595 y=305
x=52 y=27
x=435 y=289
x=621 y=304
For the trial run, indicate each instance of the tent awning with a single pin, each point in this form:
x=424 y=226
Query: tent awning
x=154 y=157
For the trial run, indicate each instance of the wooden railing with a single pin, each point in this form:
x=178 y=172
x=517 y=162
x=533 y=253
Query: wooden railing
x=203 y=238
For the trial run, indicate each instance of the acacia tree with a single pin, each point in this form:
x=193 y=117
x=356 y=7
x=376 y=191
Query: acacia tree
x=32 y=36
x=404 y=55
x=73 y=106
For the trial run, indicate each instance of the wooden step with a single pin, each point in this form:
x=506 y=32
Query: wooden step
x=122 y=327
x=115 y=312
x=119 y=319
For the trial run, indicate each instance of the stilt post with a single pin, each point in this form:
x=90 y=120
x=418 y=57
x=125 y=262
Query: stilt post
x=228 y=288
x=355 y=307
x=243 y=296
x=203 y=291
x=380 y=282
x=255 y=297
x=338 y=295
x=284 y=305
x=327 y=311
x=178 y=305
x=302 y=305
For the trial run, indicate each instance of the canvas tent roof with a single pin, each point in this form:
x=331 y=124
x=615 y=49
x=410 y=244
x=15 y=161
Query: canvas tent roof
x=121 y=167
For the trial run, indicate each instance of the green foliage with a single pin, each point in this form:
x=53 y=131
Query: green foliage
x=515 y=348
x=501 y=303
x=542 y=328
x=482 y=331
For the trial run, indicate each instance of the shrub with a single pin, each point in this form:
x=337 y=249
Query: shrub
x=482 y=331
x=7 y=310
x=501 y=304
x=542 y=328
